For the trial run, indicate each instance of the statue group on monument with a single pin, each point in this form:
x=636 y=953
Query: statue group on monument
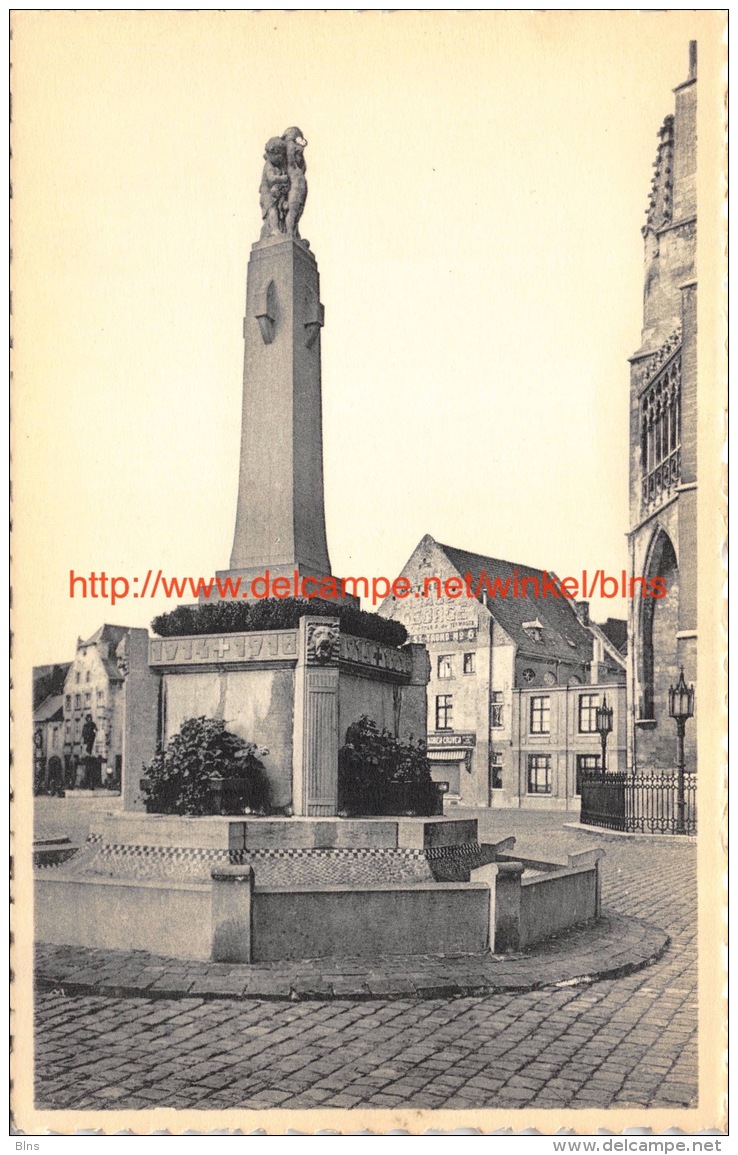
x=283 y=188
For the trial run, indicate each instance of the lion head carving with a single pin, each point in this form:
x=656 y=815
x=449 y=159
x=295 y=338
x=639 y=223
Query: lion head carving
x=322 y=643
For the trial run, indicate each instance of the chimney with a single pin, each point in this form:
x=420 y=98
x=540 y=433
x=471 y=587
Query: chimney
x=692 y=60
x=582 y=611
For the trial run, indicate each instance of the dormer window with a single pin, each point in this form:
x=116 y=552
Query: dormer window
x=534 y=630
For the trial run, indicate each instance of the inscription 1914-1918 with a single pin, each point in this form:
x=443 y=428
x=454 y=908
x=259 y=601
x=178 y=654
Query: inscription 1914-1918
x=220 y=650
x=269 y=646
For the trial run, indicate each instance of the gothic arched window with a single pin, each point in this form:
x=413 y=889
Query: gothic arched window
x=657 y=657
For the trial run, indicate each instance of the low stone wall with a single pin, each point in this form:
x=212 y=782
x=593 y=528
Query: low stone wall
x=555 y=902
x=535 y=900
x=297 y=853
x=436 y=918
x=227 y=920
x=172 y=919
x=508 y=905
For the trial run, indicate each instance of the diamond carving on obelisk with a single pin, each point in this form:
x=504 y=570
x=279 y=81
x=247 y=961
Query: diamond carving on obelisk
x=280 y=517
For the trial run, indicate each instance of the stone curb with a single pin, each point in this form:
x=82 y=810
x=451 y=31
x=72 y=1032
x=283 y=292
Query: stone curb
x=612 y=948
x=604 y=832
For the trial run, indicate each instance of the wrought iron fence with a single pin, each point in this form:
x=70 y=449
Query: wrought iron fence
x=640 y=803
x=603 y=800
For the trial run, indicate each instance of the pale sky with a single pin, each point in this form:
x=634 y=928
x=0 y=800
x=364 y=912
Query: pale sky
x=477 y=185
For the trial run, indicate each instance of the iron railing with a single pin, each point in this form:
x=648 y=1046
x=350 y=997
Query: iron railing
x=640 y=803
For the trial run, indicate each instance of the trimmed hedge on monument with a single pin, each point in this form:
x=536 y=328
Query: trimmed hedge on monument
x=380 y=775
x=231 y=617
x=190 y=775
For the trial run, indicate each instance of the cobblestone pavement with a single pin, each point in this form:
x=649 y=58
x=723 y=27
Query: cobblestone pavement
x=623 y=1042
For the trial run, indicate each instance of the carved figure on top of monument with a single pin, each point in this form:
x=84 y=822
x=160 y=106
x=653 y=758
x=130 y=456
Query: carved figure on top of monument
x=274 y=188
x=297 y=195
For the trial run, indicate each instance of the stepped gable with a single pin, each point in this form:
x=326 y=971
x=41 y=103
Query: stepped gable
x=110 y=636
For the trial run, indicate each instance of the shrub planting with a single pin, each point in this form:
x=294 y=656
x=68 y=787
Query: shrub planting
x=380 y=775
x=206 y=769
x=274 y=614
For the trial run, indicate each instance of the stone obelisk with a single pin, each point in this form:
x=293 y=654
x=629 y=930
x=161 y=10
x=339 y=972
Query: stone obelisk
x=280 y=518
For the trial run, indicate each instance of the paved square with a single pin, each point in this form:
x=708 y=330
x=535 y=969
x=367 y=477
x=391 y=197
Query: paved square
x=628 y=1042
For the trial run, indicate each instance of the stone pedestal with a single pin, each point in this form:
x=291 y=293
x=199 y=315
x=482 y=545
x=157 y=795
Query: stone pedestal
x=507 y=906
x=294 y=692
x=232 y=899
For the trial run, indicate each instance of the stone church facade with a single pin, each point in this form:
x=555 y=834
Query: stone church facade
x=663 y=446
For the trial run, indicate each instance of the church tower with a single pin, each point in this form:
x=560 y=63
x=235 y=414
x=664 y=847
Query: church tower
x=663 y=445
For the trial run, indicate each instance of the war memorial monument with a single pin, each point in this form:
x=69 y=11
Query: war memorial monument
x=301 y=879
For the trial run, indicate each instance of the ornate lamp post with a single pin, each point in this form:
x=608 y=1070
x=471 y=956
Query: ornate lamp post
x=604 y=728
x=681 y=707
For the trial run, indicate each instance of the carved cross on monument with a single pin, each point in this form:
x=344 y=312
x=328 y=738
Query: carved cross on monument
x=221 y=647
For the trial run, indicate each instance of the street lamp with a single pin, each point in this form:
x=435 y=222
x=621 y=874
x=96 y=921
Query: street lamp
x=681 y=707
x=604 y=727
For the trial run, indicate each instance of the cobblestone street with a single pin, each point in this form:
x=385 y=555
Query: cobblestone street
x=622 y=1042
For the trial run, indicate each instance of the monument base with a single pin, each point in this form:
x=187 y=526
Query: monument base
x=224 y=832
x=263 y=890
x=281 y=851
x=294 y=692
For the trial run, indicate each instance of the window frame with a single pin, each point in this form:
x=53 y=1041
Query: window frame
x=580 y=769
x=591 y=711
x=447 y=658
x=444 y=707
x=495 y=770
x=496 y=706
x=538 y=715
x=539 y=762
